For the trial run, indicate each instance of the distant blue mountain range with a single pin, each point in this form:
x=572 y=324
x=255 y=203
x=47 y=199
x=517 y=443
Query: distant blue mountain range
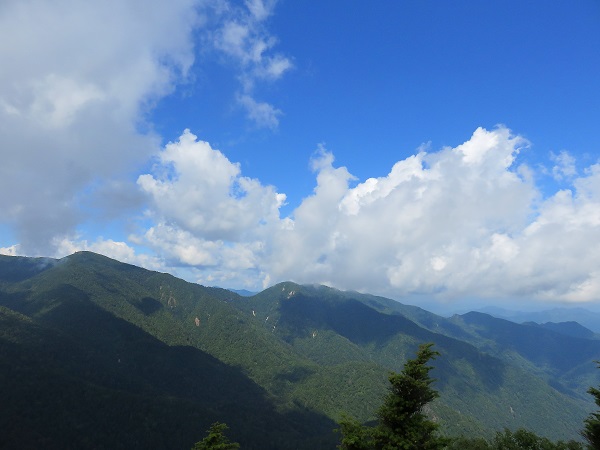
x=589 y=319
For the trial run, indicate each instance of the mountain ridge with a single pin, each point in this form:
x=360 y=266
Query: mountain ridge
x=585 y=317
x=312 y=352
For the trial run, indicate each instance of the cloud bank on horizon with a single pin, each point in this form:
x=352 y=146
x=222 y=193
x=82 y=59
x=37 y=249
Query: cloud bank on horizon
x=462 y=221
x=79 y=147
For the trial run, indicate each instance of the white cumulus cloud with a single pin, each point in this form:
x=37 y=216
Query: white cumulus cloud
x=72 y=97
x=206 y=214
x=202 y=192
x=462 y=222
x=416 y=230
x=79 y=81
x=120 y=251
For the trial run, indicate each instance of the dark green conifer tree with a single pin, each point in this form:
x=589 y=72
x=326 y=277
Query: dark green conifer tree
x=591 y=430
x=216 y=439
x=403 y=423
x=523 y=439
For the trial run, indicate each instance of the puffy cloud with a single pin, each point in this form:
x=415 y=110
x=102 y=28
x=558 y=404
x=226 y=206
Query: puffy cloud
x=181 y=247
x=202 y=192
x=463 y=222
x=71 y=99
x=75 y=96
x=120 y=251
x=68 y=56
x=414 y=230
x=206 y=214
x=12 y=250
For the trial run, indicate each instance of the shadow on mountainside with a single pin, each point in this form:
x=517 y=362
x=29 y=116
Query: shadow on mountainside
x=363 y=325
x=78 y=377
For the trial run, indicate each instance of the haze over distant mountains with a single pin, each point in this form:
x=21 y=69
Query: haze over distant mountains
x=99 y=354
x=585 y=317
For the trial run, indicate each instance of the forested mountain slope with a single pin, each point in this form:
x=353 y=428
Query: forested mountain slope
x=562 y=353
x=100 y=357
x=564 y=360
x=109 y=355
x=479 y=391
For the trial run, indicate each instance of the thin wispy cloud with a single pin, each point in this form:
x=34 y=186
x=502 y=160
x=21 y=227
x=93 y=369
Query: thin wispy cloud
x=564 y=166
x=245 y=39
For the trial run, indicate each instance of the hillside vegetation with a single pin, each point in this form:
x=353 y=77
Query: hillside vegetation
x=99 y=354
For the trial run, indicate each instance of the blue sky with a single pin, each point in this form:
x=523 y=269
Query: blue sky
x=387 y=79
x=426 y=151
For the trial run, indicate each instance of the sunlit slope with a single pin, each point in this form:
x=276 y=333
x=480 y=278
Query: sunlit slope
x=283 y=364
x=92 y=349
x=564 y=354
x=478 y=390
